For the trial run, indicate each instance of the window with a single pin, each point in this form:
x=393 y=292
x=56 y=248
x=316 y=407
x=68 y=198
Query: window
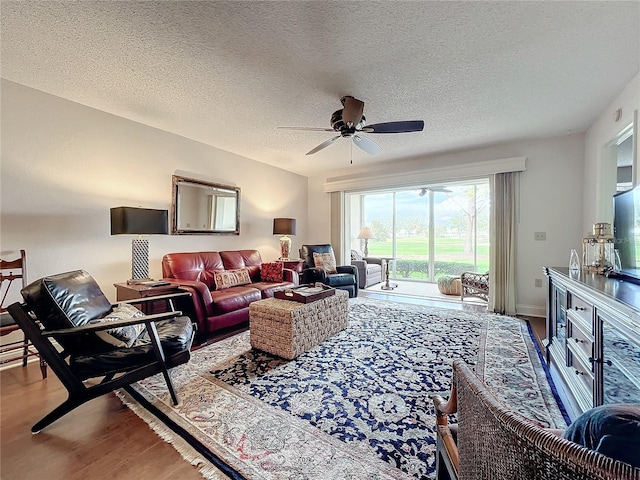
x=430 y=230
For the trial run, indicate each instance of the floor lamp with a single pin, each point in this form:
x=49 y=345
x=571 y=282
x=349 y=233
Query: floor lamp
x=139 y=221
x=284 y=227
x=365 y=234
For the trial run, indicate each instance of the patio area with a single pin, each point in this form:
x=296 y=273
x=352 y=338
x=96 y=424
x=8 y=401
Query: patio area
x=422 y=290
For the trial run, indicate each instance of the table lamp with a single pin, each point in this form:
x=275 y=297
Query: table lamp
x=139 y=221
x=284 y=227
x=365 y=234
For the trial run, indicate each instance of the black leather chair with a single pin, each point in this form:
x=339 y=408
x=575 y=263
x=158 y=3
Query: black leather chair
x=345 y=278
x=71 y=308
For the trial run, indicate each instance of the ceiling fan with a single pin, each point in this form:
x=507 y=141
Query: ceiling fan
x=350 y=122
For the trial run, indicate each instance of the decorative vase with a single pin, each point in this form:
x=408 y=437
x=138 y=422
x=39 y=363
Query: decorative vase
x=574 y=264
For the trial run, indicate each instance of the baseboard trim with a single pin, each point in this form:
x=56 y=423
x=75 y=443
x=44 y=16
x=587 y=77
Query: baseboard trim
x=531 y=310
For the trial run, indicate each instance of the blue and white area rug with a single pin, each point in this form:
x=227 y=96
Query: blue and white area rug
x=358 y=406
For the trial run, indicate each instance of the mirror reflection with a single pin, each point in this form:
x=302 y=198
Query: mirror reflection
x=200 y=207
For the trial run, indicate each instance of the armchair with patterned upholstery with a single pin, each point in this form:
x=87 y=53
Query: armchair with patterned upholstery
x=369 y=269
x=320 y=266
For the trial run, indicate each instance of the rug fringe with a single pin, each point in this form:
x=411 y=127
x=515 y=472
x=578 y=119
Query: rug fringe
x=208 y=471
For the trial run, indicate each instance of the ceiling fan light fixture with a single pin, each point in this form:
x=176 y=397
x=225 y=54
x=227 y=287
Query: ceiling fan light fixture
x=349 y=121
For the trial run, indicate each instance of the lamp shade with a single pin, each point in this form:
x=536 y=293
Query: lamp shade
x=365 y=234
x=139 y=221
x=284 y=226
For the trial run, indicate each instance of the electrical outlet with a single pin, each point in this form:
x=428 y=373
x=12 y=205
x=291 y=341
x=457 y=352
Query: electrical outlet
x=538 y=282
x=540 y=236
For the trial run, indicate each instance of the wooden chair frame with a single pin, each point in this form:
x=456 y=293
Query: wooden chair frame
x=10 y=271
x=80 y=391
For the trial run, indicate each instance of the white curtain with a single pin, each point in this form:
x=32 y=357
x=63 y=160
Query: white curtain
x=502 y=252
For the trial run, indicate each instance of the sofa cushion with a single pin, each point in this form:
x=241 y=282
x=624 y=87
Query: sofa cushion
x=235 y=259
x=325 y=261
x=613 y=430
x=121 y=336
x=267 y=289
x=192 y=266
x=271 y=272
x=231 y=278
x=233 y=298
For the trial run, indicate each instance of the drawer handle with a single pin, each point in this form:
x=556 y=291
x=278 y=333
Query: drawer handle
x=579 y=308
x=578 y=340
x=578 y=372
x=608 y=362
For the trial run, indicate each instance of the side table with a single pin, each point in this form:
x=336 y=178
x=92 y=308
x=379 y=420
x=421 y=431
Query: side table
x=387 y=285
x=126 y=291
x=294 y=264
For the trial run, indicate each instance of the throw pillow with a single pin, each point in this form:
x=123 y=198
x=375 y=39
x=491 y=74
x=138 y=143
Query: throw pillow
x=356 y=255
x=271 y=272
x=325 y=261
x=231 y=278
x=613 y=430
x=121 y=336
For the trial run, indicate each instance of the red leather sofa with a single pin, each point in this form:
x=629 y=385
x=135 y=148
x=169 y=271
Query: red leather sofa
x=218 y=309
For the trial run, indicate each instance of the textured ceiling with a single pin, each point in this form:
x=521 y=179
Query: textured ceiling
x=228 y=73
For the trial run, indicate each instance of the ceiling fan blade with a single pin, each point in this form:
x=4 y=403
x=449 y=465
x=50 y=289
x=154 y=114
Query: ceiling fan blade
x=352 y=112
x=369 y=146
x=309 y=129
x=324 y=144
x=395 y=127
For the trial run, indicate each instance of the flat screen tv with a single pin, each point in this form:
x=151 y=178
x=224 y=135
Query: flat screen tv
x=626 y=230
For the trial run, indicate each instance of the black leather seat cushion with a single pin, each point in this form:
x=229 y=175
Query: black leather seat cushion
x=175 y=337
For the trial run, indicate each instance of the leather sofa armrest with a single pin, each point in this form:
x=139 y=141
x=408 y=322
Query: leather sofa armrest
x=201 y=300
x=312 y=275
x=200 y=288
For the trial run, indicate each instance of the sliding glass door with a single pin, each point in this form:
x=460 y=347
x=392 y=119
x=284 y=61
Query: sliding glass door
x=431 y=230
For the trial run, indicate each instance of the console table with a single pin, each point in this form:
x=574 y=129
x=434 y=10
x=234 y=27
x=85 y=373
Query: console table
x=593 y=339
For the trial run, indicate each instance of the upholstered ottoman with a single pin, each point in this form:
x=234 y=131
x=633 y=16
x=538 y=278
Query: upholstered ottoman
x=450 y=285
x=287 y=329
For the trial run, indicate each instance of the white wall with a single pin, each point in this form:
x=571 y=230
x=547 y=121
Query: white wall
x=550 y=201
x=65 y=165
x=598 y=200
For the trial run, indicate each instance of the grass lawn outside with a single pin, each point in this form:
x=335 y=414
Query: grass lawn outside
x=412 y=256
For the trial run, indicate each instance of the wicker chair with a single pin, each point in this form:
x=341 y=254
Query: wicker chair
x=494 y=443
x=475 y=285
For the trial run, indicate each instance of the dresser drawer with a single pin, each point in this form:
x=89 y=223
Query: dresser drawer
x=581 y=378
x=579 y=336
x=582 y=309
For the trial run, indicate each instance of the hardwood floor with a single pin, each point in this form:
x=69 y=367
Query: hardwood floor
x=102 y=439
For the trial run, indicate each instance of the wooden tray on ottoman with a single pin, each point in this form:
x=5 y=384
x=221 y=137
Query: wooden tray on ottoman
x=305 y=293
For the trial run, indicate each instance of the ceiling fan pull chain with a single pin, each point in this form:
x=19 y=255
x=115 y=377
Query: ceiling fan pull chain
x=351 y=146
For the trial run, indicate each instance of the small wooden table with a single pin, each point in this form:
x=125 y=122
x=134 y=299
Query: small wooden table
x=294 y=264
x=133 y=291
